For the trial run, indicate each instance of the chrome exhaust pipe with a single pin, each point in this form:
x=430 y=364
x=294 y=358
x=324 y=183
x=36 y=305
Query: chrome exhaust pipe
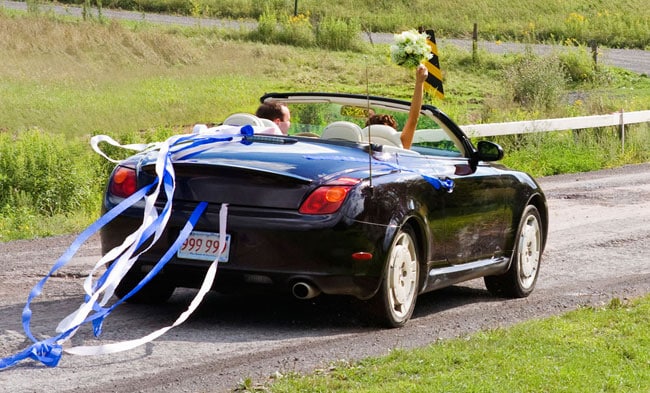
x=303 y=290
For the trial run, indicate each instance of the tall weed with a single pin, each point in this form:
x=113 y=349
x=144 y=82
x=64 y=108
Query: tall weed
x=636 y=144
x=267 y=26
x=296 y=30
x=48 y=185
x=536 y=82
x=337 y=34
x=552 y=153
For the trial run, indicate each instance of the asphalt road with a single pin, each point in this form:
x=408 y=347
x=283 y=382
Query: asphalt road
x=598 y=248
x=635 y=60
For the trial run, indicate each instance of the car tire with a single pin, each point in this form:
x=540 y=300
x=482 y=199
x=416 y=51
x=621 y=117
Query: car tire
x=156 y=291
x=394 y=302
x=519 y=281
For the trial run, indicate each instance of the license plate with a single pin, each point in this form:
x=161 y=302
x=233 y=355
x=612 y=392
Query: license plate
x=204 y=246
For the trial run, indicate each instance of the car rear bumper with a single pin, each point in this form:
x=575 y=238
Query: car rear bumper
x=274 y=251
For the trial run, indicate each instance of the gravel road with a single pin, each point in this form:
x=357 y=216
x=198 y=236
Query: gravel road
x=597 y=250
x=635 y=60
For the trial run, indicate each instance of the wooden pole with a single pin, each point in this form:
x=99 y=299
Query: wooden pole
x=594 y=52
x=475 y=44
x=622 y=133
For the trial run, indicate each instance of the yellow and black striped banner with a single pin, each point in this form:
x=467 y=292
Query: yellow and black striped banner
x=433 y=84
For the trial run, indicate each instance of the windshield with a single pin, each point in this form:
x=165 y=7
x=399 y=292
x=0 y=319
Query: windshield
x=431 y=138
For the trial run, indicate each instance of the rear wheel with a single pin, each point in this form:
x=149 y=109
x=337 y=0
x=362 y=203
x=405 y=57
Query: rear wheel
x=519 y=281
x=154 y=292
x=394 y=303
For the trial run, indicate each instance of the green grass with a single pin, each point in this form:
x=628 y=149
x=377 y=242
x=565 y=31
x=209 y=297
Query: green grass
x=589 y=350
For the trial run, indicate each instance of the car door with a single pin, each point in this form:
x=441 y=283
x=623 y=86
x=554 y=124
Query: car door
x=476 y=217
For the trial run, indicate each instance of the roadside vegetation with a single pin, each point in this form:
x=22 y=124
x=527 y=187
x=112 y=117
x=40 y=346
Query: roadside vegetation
x=616 y=23
x=63 y=80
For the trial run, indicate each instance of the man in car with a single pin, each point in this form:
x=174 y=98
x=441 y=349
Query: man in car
x=277 y=113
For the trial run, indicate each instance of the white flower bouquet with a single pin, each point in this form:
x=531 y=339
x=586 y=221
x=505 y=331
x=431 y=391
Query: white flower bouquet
x=410 y=49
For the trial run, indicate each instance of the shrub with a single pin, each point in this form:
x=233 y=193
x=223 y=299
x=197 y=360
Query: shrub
x=337 y=34
x=578 y=65
x=330 y=33
x=266 y=28
x=296 y=30
x=46 y=175
x=285 y=29
x=536 y=82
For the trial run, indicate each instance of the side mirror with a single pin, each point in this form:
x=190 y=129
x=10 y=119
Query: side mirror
x=488 y=151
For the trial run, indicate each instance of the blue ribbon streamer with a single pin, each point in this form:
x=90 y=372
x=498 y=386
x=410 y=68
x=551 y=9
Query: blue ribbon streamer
x=98 y=318
x=74 y=247
x=48 y=351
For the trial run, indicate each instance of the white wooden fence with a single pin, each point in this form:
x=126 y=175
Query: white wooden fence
x=619 y=119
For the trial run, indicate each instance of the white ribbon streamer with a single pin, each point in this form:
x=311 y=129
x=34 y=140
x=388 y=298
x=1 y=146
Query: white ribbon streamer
x=126 y=249
x=167 y=152
x=122 y=258
x=205 y=288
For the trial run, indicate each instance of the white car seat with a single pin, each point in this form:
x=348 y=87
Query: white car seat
x=382 y=135
x=243 y=119
x=271 y=127
x=342 y=130
x=260 y=126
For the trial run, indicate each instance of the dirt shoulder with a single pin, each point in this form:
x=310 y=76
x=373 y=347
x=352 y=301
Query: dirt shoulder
x=597 y=250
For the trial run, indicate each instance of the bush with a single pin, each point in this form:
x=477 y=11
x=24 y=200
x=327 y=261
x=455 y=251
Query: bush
x=266 y=28
x=46 y=175
x=337 y=34
x=285 y=29
x=578 y=65
x=296 y=30
x=536 y=82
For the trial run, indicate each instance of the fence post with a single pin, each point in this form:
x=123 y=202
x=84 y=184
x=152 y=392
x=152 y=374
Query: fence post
x=622 y=132
x=594 y=52
x=475 y=44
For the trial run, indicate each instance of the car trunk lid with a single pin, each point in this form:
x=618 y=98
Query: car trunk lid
x=269 y=175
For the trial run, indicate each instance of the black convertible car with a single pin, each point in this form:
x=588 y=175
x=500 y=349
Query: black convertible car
x=338 y=208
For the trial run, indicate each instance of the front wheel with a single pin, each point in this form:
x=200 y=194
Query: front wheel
x=394 y=303
x=519 y=281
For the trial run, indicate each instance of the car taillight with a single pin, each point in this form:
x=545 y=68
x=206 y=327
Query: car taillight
x=123 y=183
x=328 y=198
